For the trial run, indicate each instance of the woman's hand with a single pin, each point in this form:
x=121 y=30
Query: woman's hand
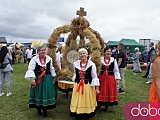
x=53 y=80
x=97 y=90
x=117 y=81
x=33 y=82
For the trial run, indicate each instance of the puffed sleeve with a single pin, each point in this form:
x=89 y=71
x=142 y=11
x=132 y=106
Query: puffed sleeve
x=52 y=69
x=30 y=71
x=95 y=79
x=116 y=70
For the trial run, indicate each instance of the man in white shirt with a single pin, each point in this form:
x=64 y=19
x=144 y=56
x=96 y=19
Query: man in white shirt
x=29 y=52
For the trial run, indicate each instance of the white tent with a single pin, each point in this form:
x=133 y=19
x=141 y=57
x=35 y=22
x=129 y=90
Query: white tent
x=12 y=45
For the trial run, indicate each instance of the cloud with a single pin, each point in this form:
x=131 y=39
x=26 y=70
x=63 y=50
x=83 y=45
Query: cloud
x=113 y=19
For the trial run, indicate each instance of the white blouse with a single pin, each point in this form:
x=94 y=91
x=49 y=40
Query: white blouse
x=95 y=79
x=115 y=69
x=32 y=65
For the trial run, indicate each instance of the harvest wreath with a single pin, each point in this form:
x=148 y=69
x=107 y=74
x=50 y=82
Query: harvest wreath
x=79 y=27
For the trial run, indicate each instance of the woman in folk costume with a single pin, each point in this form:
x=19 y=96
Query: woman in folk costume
x=83 y=102
x=41 y=73
x=109 y=79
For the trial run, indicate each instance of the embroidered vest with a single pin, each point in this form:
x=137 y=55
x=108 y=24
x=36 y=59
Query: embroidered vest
x=87 y=78
x=37 y=69
x=109 y=69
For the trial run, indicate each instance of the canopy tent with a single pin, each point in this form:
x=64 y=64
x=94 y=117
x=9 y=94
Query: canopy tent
x=113 y=43
x=131 y=43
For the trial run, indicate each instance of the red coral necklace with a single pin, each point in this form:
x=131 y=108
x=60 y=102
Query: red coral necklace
x=106 y=62
x=83 y=67
x=42 y=61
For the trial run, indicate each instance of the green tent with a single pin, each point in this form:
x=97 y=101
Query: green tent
x=131 y=43
x=113 y=43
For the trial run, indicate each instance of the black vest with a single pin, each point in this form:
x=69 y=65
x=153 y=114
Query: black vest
x=109 y=69
x=38 y=71
x=87 y=76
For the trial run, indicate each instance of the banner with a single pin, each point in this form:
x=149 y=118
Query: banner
x=36 y=43
x=61 y=39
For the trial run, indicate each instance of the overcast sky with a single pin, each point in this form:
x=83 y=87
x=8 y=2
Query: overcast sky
x=31 y=20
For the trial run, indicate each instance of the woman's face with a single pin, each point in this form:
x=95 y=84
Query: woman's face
x=42 y=51
x=108 y=53
x=83 y=55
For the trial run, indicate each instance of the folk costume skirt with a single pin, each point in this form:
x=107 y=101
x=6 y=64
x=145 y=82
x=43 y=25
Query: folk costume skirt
x=43 y=95
x=83 y=105
x=108 y=90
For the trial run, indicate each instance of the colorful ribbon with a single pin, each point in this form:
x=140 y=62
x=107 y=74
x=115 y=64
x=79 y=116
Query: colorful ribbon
x=40 y=77
x=81 y=85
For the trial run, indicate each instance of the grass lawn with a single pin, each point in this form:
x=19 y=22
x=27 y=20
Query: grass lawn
x=15 y=107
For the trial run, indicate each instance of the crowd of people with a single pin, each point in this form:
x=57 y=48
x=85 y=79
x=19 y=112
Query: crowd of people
x=140 y=59
x=90 y=90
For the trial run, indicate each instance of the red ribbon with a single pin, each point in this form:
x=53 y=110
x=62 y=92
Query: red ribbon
x=81 y=85
x=40 y=77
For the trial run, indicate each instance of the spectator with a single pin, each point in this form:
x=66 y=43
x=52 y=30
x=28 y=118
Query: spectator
x=24 y=54
x=13 y=56
x=5 y=69
x=121 y=58
x=9 y=48
x=127 y=52
x=145 y=55
x=29 y=52
x=34 y=52
x=154 y=54
x=136 y=63
x=114 y=52
x=149 y=53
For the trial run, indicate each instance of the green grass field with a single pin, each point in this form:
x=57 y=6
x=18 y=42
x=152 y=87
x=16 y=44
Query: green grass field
x=15 y=107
